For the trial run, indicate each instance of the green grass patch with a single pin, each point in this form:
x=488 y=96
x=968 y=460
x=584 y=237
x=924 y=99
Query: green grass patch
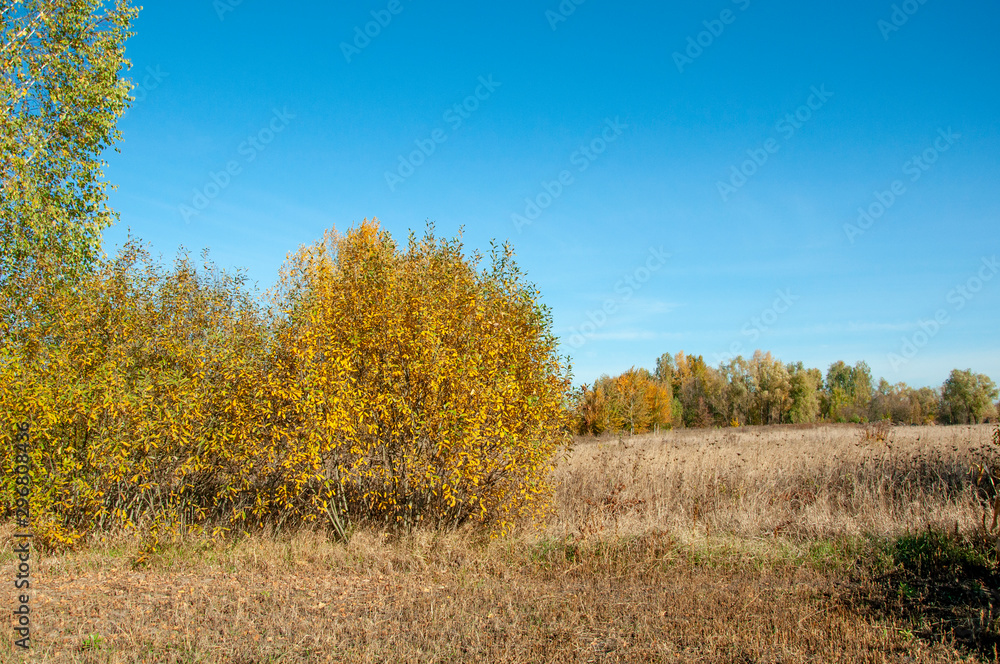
x=945 y=584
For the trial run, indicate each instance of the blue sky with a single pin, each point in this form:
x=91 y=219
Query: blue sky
x=672 y=178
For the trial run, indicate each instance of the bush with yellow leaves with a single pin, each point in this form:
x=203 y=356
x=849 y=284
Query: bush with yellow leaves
x=379 y=385
x=430 y=390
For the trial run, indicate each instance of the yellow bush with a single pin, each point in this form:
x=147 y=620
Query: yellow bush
x=128 y=382
x=431 y=389
x=379 y=385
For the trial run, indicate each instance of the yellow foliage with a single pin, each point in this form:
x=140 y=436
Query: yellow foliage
x=434 y=389
x=634 y=401
x=380 y=385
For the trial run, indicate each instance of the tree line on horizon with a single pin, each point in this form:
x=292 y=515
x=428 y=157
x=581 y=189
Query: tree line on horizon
x=684 y=391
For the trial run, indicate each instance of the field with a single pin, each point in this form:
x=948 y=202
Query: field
x=771 y=544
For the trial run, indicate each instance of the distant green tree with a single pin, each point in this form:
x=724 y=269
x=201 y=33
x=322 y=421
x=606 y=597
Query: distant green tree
x=863 y=386
x=665 y=368
x=849 y=391
x=838 y=390
x=967 y=397
x=677 y=413
x=805 y=393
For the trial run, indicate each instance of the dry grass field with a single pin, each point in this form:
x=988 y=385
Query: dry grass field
x=779 y=544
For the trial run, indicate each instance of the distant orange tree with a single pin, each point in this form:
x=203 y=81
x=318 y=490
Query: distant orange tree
x=633 y=402
x=377 y=385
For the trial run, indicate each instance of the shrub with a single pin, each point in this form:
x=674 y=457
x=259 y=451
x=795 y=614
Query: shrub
x=399 y=387
x=431 y=390
x=877 y=432
x=135 y=385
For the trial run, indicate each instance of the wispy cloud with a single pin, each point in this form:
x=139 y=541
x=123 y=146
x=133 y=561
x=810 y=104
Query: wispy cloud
x=859 y=326
x=634 y=335
x=640 y=305
x=848 y=327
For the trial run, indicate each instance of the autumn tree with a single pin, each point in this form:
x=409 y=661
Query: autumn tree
x=153 y=403
x=664 y=373
x=891 y=402
x=698 y=387
x=925 y=405
x=659 y=404
x=630 y=387
x=772 y=398
x=592 y=410
x=901 y=403
x=634 y=402
x=645 y=403
x=741 y=385
x=757 y=390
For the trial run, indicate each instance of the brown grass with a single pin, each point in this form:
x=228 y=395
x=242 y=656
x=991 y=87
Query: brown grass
x=696 y=546
x=808 y=481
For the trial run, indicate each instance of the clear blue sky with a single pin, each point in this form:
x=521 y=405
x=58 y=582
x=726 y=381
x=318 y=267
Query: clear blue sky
x=627 y=124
